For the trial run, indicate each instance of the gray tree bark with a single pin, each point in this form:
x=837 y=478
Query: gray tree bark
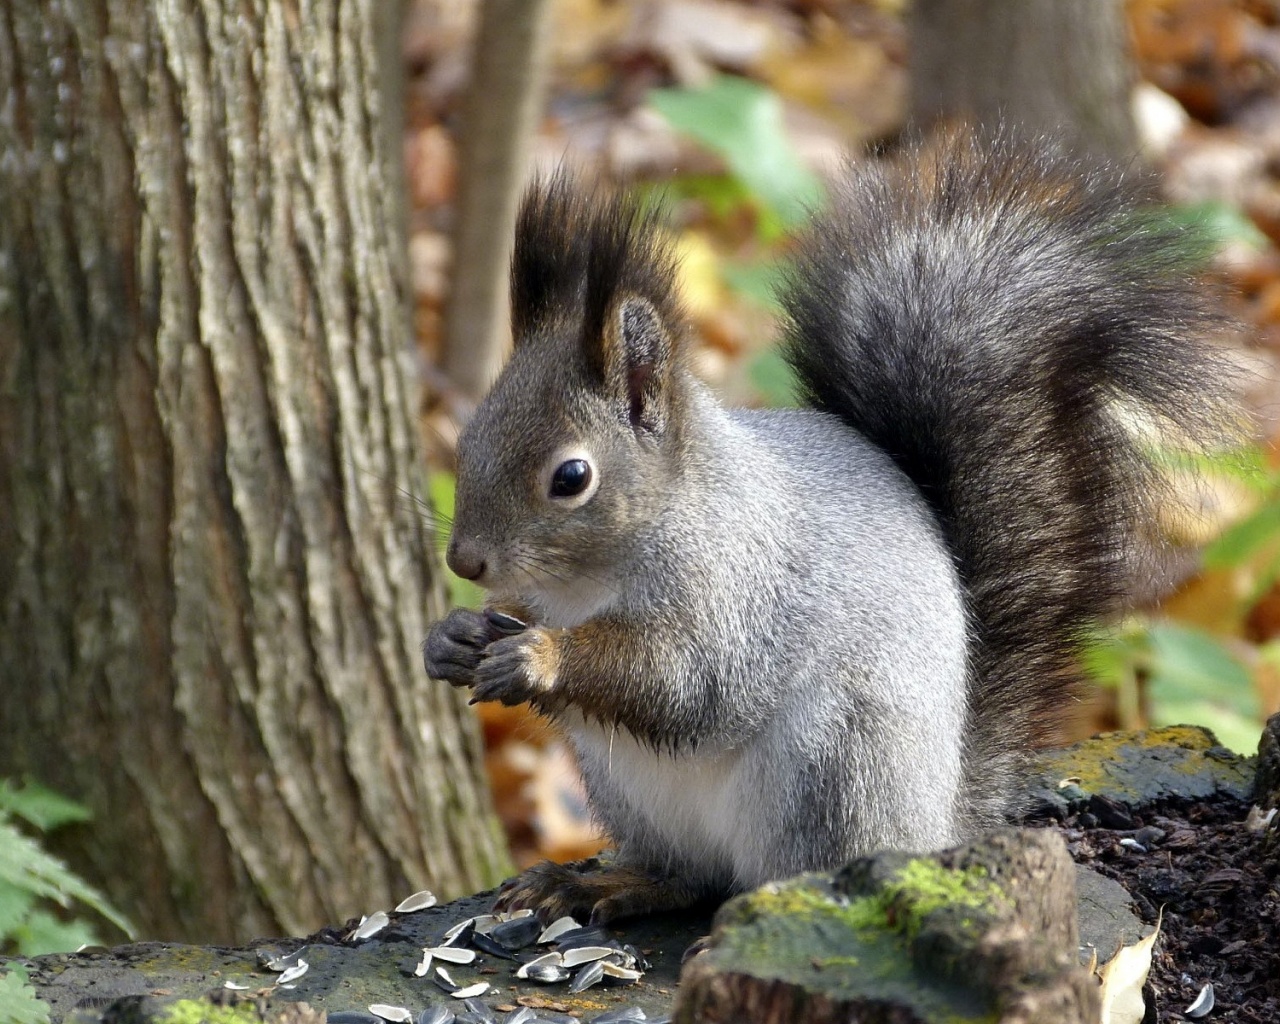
x=1052 y=67
x=212 y=588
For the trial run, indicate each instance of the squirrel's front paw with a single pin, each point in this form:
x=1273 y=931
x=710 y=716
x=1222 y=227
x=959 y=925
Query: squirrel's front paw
x=455 y=645
x=517 y=668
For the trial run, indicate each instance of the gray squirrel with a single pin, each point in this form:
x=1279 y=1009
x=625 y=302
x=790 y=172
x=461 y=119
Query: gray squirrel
x=779 y=639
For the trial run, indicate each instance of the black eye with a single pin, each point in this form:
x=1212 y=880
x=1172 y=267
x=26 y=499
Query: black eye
x=571 y=477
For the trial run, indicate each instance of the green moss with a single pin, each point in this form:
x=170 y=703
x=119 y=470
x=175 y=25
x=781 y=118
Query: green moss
x=201 y=1011
x=924 y=887
x=805 y=932
x=1146 y=765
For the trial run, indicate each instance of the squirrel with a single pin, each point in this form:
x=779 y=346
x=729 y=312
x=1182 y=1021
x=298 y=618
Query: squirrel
x=780 y=639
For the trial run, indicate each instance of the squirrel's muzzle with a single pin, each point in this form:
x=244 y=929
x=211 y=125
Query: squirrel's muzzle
x=465 y=558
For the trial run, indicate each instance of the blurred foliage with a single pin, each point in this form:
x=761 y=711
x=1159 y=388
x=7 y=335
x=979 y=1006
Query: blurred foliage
x=741 y=121
x=442 y=487
x=1166 y=671
x=19 y=1003
x=31 y=879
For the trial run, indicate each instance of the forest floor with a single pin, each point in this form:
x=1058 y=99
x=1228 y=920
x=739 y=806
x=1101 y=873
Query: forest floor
x=1214 y=885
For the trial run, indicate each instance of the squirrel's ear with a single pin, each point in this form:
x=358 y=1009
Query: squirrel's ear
x=637 y=353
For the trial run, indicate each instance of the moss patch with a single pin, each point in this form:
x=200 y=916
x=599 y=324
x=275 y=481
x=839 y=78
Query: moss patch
x=1143 y=768
x=804 y=932
x=201 y=1011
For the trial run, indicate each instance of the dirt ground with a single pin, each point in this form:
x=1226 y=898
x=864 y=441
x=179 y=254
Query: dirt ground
x=1217 y=883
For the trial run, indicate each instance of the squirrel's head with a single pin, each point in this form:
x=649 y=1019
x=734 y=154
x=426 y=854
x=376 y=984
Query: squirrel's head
x=568 y=457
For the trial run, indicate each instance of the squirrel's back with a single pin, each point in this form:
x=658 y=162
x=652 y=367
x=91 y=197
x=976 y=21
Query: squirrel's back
x=1019 y=334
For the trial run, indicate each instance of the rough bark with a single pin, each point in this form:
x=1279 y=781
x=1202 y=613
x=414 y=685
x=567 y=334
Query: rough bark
x=212 y=587
x=1060 y=69
x=504 y=100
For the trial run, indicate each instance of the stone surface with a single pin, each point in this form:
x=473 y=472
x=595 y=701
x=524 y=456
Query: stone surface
x=346 y=977
x=1115 y=773
x=986 y=932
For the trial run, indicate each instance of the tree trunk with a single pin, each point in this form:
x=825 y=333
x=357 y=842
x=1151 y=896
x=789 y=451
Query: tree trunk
x=1054 y=67
x=212 y=587
x=504 y=102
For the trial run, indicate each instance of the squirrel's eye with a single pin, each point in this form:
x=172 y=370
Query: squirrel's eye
x=571 y=477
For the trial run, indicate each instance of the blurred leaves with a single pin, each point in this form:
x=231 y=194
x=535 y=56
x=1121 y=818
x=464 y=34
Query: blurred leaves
x=1167 y=673
x=31 y=880
x=742 y=122
x=19 y=1003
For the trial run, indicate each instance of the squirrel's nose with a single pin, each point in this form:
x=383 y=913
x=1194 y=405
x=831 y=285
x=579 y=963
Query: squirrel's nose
x=465 y=559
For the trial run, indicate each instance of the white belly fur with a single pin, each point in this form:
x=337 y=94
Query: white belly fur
x=694 y=801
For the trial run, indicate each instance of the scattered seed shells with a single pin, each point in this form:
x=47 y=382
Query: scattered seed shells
x=452 y=954
x=590 y=975
x=293 y=973
x=586 y=954
x=282 y=962
x=557 y=928
x=516 y=933
x=545 y=974
x=1203 y=1004
x=370 y=927
x=478 y=989
x=395 y=1014
x=418 y=901
x=618 y=972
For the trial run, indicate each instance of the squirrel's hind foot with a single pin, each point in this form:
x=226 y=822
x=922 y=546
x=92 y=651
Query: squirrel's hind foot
x=600 y=894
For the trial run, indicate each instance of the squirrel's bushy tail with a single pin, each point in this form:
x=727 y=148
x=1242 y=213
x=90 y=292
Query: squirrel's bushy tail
x=1019 y=334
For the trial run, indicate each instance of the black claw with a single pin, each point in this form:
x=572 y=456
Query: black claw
x=506 y=625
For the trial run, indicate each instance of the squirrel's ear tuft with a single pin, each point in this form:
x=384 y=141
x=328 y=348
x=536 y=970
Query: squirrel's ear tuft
x=552 y=248
x=637 y=357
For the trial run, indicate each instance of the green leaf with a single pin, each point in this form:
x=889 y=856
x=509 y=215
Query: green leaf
x=761 y=282
x=1220 y=223
x=15 y=906
x=41 y=807
x=43 y=933
x=742 y=122
x=24 y=865
x=1111 y=653
x=1188 y=662
x=1246 y=538
x=442 y=487
x=19 y=1003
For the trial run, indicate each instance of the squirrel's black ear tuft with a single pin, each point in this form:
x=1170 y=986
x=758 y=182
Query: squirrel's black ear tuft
x=549 y=260
x=598 y=264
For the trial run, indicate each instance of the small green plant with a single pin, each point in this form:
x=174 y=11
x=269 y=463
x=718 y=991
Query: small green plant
x=33 y=881
x=19 y=1003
